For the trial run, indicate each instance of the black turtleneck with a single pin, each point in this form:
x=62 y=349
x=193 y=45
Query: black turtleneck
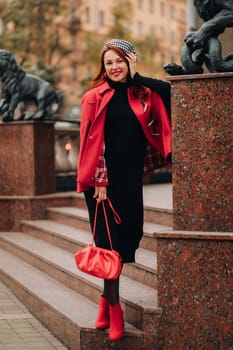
x=124 y=139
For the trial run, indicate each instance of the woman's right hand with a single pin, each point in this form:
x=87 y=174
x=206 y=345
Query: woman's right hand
x=132 y=58
x=100 y=193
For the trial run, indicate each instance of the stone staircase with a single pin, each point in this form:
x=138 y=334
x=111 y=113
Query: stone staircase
x=38 y=265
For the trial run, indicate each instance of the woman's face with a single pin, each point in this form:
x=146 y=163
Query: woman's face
x=116 y=68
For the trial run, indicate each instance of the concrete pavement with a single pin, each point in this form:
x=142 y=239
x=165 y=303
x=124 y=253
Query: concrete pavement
x=19 y=329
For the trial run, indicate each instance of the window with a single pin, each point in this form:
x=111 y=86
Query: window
x=140 y=4
x=152 y=30
x=162 y=11
x=172 y=37
x=172 y=11
x=74 y=71
x=58 y=72
x=101 y=18
x=172 y=58
x=1 y=26
x=162 y=57
x=88 y=73
x=87 y=15
x=140 y=28
x=151 y=6
x=182 y=15
x=162 y=33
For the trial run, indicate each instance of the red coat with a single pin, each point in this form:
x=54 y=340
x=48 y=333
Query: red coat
x=94 y=106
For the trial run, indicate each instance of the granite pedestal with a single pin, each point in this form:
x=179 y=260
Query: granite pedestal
x=195 y=258
x=195 y=289
x=27 y=169
x=202 y=124
x=27 y=158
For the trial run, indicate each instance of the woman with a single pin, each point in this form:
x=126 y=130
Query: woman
x=124 y=134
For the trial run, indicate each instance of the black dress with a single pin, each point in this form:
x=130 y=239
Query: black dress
x=125 y=146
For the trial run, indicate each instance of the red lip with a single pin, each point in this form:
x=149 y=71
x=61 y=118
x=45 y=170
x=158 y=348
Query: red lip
x=116 y=74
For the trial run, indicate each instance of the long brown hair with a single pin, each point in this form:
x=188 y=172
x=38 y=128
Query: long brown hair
x=137 y=91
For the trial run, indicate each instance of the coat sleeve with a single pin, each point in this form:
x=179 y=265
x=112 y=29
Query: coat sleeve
x=163 y=88
x=85 y=124
x=91 y=167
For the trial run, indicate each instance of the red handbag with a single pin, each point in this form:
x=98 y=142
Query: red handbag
x=100 y=262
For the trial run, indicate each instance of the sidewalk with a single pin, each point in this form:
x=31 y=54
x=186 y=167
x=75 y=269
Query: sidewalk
x=19 y=329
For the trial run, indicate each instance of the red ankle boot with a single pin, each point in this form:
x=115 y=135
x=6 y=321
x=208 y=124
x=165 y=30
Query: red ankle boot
x=102 y=320
x=116 y=322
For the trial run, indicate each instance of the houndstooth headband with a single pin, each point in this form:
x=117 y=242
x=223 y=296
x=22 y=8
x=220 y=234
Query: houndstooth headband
x=124 y=45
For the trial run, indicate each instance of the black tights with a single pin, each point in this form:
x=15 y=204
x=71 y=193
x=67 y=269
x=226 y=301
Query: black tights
x=111 y=291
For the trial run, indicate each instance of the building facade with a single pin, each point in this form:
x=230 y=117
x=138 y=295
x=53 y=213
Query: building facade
x=163 y=20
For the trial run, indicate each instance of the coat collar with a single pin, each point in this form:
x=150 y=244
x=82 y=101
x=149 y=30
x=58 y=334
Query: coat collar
x=106 y=93
x=103 y=88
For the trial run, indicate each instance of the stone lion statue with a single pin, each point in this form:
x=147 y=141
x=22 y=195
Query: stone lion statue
x=18 y=86
x=203 y=45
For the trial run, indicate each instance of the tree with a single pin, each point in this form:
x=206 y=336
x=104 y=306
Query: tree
x=146 y=49
x=30 y=33
x=121 y=11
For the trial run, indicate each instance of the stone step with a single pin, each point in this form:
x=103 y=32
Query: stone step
x=157 y=215
x=139 y=300
x=73 y=216
x=79 y=201
x=67 y=314
x=78 y=217
x=73 y=239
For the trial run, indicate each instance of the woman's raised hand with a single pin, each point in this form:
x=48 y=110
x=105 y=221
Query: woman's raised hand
x=132 y=58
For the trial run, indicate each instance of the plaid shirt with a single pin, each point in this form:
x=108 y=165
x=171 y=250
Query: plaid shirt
x=101 y=174
x=153 y=160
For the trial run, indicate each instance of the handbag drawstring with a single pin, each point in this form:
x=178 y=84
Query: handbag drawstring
x=115 y=215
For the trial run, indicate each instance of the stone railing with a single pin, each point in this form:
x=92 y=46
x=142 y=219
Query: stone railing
x=66 y=153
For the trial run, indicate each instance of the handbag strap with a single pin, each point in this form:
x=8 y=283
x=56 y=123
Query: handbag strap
x=116 y=217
